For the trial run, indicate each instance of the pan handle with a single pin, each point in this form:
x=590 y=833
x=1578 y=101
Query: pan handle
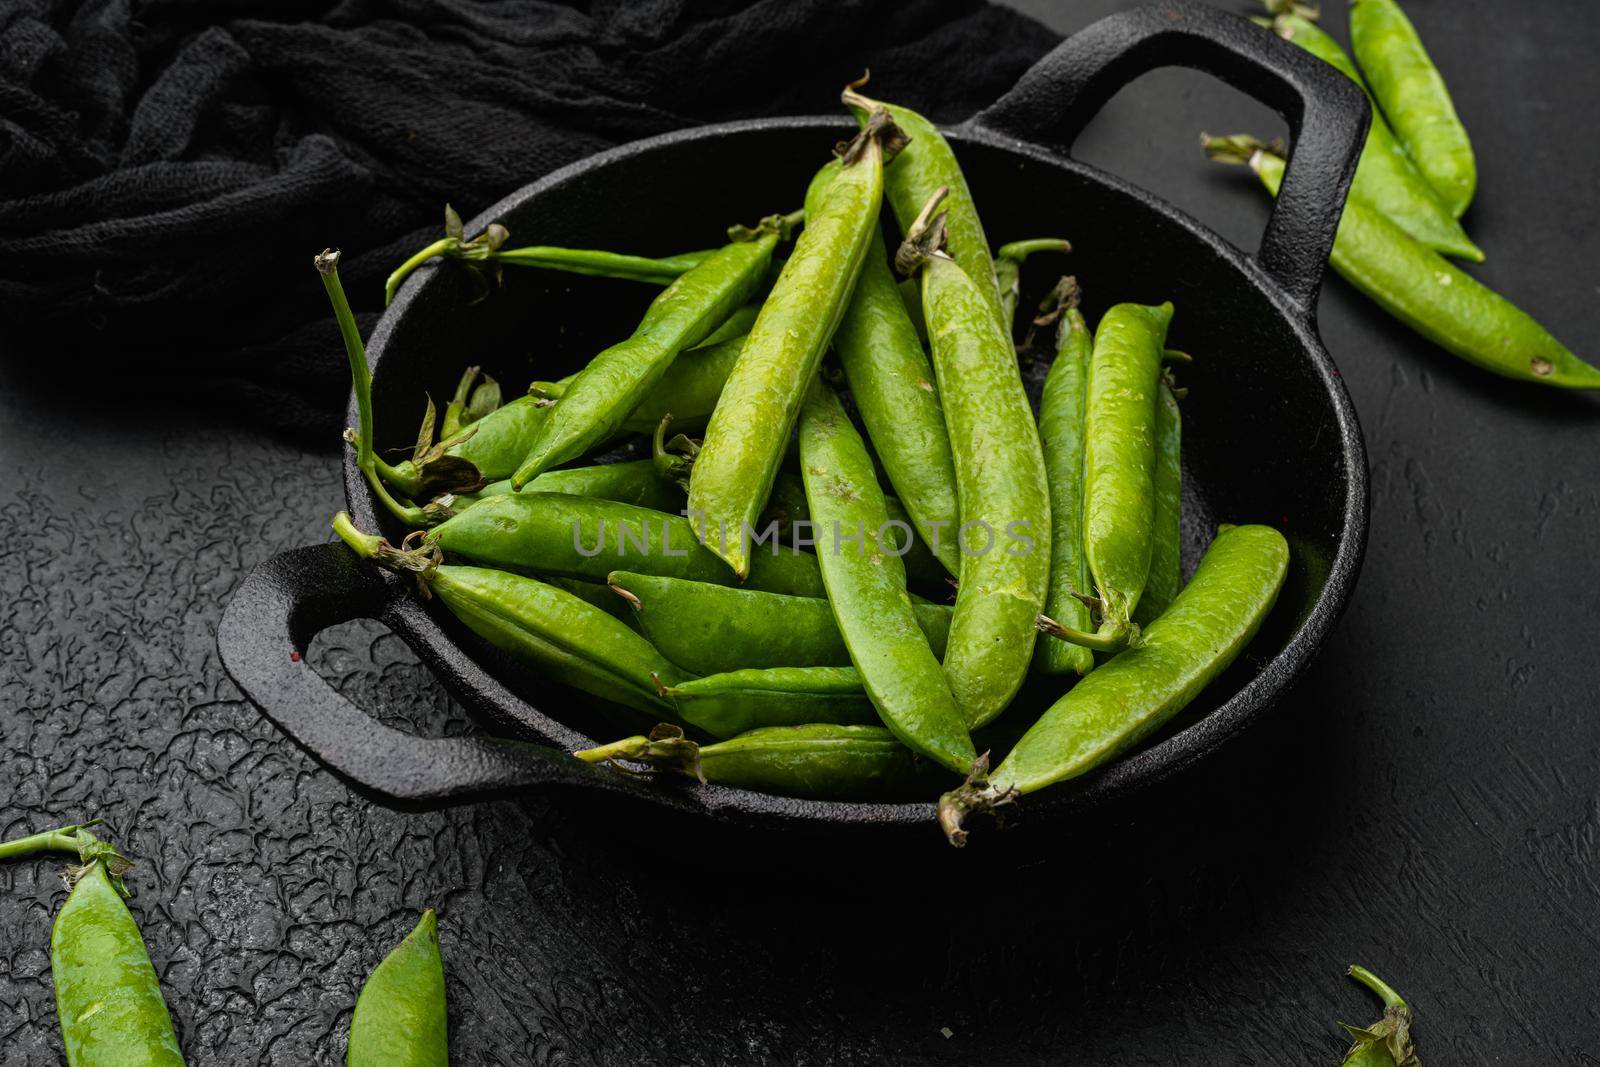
x=268 y=623
x=1327 y=113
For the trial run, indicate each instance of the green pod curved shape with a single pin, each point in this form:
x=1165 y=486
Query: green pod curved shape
x=688 y=391
x=866 y=586
x=399 y=1019
x=635 y=482
x=1166 y=528
x=1119 y=456
x=578 y=537
x=749 y=430
x=1414 y=99
x=1061 y=410
x=713 y=629
x=107 y=995
x=1386 y=179
x=724 y=705
x=787 y=504
x=1439 y=300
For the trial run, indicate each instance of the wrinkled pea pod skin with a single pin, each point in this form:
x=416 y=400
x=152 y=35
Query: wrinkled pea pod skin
x=788 y=504
x=1119 y=455
x=1004 y=495
x=891 y=380
x=923 y=166
x=400 y=1018
x=1439 y=300
x=577 y=537
x=749 y=430
x=634 y=482
x=724 y=705
x=713 y=629
x=600 y=398
x=1386 y=179
x=1414 y=99
x=1140 y=689
x=866 y=586
x=1061 y=410
x=1166 y=566
x=107 y=996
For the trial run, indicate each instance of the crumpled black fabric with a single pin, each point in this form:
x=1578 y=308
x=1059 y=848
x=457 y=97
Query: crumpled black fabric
x=168 y=167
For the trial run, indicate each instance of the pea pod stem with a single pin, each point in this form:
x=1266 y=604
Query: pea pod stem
x=1008 y=262
x=1387 y=1042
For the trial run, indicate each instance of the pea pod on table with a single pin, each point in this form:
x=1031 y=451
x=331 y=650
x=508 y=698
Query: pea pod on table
x=1426 y=291
x=575 y=642
x=748 y=431
x=1386 y=179
x=598 y=401
x=1119 y=459
x=1061 y=408
x=108 y=999
x=1139 y=690
x=710 y=629
x=820 y=761
x=400 y=1018
x=891 y=382
x=866 y=584
x=1000 y=478
x=1414 y=99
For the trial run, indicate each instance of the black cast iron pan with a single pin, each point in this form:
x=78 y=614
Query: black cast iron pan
x=1269 y=432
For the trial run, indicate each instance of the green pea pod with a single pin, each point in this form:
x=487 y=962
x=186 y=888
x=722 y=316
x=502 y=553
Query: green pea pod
x=1124 y=700
x=688 y=391
x=928 y=164
x=866 y=586
x=1386 y=179
x=1166 y=566
x=605 y=392
x=713 y=629
x=578 y=537
x=1414 y=99
x=1000 y=478
x=727 y=704
x=399 y=1019
x=1119 y=458
x=820 y=761
x=1008 y=262
x=634 y=482
x=787 y=505
x=1387 y=1042
x=750 y=427
x=108 y=999
x=1427 y=292
x=572 y=641
x=891 y=381
x=1061 y=406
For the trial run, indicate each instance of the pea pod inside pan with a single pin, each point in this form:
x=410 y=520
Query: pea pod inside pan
x=1269 y=433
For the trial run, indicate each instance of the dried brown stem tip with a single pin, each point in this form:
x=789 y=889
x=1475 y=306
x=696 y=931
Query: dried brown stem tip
x=925 y=237
x=880 y=129
x=327 y=261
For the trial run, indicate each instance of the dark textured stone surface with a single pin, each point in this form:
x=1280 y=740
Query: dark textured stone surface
x=1425 y=804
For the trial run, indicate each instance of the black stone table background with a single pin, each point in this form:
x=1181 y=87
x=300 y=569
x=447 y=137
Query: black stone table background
x=1425 y=803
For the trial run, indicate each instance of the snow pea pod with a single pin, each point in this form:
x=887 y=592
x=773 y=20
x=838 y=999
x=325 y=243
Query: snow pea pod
x=1166 y=527
x=750 y=427
x=730 y=703
x=400 y=1019
x=866 y=586
x=928 y=164
x=712 y=629
x=891 y=381
x=820 y=761
x=108 y=999
x=1122 y=701
x=634 y=482
x=1387 y=1042
x=1119 y=459
x=787 y=505
x=600 y=398
x=1427 y=292
x=578 y=537
x=573 y=641
x=1414 y=99
x=1000 y=478
x=1386 y=179
x=1008 y=262
x=1061 y=405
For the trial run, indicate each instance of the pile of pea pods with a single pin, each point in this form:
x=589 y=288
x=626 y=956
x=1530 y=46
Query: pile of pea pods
x=752 y=591
x=1415 y=179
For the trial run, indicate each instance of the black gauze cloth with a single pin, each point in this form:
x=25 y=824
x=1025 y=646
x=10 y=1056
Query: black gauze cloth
x=167 y=168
